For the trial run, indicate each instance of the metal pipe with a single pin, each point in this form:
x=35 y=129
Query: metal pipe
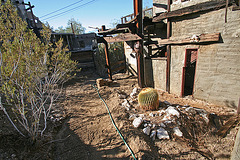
x=138 y=46
x=168 y=51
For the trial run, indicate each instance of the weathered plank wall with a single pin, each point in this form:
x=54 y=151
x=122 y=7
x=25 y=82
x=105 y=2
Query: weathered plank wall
x=218 y=69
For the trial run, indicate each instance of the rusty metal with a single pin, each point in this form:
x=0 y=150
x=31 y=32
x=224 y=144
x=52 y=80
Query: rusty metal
x=138 y=14
x=108 y=60
x=138 y=47
x=168 y=51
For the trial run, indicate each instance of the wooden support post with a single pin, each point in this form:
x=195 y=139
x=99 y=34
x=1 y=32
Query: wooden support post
x=72 y=29
x=108 y=60
x=30 y=7
x=168 y=51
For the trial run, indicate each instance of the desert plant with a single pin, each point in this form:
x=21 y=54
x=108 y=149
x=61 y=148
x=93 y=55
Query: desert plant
x=148 y=99
x=30 y=79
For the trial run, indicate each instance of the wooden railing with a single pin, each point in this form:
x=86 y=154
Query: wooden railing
x=129 y=17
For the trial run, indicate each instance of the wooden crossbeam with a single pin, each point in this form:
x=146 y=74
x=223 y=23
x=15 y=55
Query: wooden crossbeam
x=211 y=5
x=123 y=37
x=203 y=38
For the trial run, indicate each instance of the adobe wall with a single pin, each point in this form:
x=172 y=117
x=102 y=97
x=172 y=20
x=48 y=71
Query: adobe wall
x=155 y=73
x=130 y=57
x=217 y=77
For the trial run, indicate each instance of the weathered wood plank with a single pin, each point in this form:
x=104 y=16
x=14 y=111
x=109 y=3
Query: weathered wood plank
x=114 y=31
x=123 y=37
x=203 y=38
x=211 y=5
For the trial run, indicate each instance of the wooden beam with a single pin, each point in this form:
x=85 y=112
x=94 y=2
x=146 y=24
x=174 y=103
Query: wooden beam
x=206 y=6
x=203 y=38
x=123 y=37
x=114 y=31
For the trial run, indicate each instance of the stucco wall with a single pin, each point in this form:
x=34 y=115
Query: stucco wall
x=155 y=73
x=217 y=76
x=129 y=53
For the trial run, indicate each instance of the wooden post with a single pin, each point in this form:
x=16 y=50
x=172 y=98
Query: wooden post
x=168 y=51
x=108 y=60
x=72 y=28
x=30 y=7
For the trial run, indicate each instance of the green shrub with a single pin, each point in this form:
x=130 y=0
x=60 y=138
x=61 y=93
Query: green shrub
x=31 y=80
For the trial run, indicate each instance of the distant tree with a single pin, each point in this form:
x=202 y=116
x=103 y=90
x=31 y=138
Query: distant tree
x=77 y=26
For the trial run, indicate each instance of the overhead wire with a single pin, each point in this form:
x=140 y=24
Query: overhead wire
x=67 y=11
x=61 y=9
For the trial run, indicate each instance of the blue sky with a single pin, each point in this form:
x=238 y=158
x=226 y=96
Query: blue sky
x=95 y=14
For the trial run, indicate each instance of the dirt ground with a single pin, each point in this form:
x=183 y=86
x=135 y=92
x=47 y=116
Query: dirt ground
x=85 y=130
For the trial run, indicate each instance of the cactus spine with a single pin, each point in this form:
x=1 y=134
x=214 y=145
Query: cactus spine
x=148 y=99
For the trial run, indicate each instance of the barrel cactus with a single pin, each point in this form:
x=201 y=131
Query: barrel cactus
x=148 y=99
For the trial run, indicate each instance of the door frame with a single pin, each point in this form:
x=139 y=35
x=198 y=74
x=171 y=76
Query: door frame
x=184 y=70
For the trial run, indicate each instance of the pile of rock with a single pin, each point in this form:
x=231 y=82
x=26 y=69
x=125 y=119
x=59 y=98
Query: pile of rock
x=170 y=120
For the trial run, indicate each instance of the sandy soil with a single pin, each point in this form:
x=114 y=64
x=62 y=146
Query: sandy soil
x=86 y=131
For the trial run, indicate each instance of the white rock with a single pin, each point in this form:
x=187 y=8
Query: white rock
x=151 y=114
x=145 y=125
x=205 y=117
x=137 y=122
x=162 y=125
x=147 y=130
x=122 y=96
x=161 y=112
x=177 y=132
x=153 y=134
x=162 y=134
x=134 y=92
x=132 y=116
x=168 y=122
x=126 y=103
x=172 y=111
x=154 y=125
